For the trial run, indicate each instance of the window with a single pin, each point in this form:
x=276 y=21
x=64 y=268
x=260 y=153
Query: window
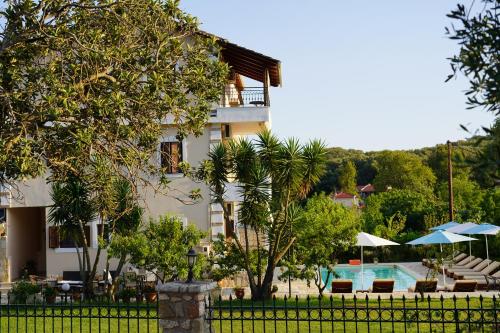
x=226 y=131
x=56 y=240
x=171 y=156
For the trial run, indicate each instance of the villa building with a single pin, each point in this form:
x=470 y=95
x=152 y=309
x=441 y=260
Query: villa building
x=242 y=111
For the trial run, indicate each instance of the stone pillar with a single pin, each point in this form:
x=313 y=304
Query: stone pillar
x=182 y=306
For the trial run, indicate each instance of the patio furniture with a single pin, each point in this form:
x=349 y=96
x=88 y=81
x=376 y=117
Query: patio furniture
x=469 y=265
x=463 y=275
x=130 y=280
x=477 y=264
x=426 y=286
x=71 y=275
x=428 y=262
x=463 y=286
x=341 y=286
x=382 y=286
x=492 y=280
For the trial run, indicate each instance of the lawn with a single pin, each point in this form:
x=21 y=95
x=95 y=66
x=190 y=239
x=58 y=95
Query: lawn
x=474 y=315
x=78 y=318
x=303 y=316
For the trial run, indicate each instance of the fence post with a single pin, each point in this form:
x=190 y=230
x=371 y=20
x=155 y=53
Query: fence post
x=181 y=307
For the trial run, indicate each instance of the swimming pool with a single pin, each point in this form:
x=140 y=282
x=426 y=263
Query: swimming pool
x=402 y=279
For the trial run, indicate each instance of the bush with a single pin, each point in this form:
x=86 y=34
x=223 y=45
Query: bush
x=22 y=290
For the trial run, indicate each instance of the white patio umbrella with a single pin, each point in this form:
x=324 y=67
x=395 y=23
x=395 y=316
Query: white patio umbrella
x=365 y=239
x=440 y=237
x=484 y=229
x=461 y=229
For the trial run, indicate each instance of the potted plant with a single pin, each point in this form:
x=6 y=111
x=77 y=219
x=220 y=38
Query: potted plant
x=239 y=292
x=24 y=291
x=149 y=292
x=126 y=294
x=50 y=295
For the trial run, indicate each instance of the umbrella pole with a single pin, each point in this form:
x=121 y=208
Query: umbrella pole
x=470 y=251
x=362 y=271
x=487 y=254
x=444 y=278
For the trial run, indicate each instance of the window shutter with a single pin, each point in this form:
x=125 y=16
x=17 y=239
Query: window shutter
x=165 y=155
x=176 y=156
x=53 y=237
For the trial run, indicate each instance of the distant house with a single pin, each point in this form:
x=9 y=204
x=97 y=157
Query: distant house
x=346 y=199
x=365 y=190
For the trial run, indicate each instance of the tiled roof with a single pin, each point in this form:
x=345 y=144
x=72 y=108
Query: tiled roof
x=343 y=195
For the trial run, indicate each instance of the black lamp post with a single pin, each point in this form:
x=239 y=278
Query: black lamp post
x=191 y=257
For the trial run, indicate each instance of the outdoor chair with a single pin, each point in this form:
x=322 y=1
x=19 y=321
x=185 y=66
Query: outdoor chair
x=130 y=280
x=491 y=281
x=463 y=286
x=475 y=267
x=469 y=265
x=71 y=275
x=341 y=286
x=464 y=275
x=426 y=286
x=382 y=286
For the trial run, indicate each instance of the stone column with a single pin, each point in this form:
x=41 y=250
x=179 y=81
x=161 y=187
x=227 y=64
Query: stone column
x=182 y=306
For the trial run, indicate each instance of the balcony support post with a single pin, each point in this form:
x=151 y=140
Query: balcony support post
x=266 y=87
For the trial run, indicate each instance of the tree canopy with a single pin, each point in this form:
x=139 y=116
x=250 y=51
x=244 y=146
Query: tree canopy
x=85 y=85
x=347 y=177
x=475 y=28
x=402 y=170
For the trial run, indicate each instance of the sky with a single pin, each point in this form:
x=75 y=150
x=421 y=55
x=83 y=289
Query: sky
x=365 y=74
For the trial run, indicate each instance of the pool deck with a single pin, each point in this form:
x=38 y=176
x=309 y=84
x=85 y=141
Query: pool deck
x=300 y=288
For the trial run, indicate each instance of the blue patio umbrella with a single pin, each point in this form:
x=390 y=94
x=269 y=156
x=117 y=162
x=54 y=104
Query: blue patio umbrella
x=440 y=237
x=462 y=229
x=483 y=229
x=445 y=226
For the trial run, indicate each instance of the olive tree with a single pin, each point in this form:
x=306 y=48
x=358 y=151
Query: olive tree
x=85 y=85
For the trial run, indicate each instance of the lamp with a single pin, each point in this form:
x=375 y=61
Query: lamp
x=191 y=257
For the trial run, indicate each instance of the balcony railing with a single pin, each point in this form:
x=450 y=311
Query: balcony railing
x=249 y=96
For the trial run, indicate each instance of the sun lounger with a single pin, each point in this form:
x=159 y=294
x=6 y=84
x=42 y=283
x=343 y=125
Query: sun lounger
x=456 y=259
x=382 y=286
x=463 y=275
x=469 y=265
x=478 y=268
x=427 y=286
x=428 y=262
x=488 y=282
x=341 y=286
x=463 y=286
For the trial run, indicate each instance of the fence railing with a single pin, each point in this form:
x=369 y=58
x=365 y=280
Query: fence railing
x=35 y=314
x=355 y=315
x=249 y=96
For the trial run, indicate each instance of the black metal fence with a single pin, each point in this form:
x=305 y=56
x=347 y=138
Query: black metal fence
x=355 y=315
x=63 y=315
x=249 y=96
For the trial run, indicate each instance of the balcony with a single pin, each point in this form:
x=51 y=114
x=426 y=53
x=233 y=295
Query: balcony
x=248 y=96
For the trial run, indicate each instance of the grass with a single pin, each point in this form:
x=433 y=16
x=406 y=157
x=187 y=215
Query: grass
x=85 y=318
x=78 y=318
x=343 y=313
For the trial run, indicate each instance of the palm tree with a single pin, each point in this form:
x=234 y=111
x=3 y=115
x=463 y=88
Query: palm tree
x=72 y=209
x=272 y=176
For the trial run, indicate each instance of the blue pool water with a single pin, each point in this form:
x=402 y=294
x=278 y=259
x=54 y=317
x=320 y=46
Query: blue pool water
x=402 y=280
